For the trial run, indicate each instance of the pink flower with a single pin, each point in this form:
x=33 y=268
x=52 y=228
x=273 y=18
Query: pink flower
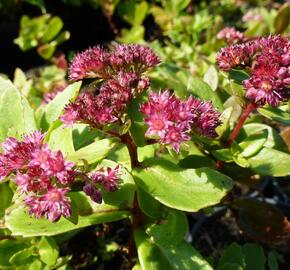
x=52 y=205
x=97 y=62
x=268 y=84
x=92 y=63
x=171 y=120
x=231 y=35
x=268 y=62
x=239 y=55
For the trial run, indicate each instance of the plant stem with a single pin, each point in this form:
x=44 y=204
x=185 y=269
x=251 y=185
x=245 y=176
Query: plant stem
x=249 y=108
x=137 y=216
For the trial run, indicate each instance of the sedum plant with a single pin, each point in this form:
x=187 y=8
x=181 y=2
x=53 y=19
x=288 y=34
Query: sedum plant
x=111 y=147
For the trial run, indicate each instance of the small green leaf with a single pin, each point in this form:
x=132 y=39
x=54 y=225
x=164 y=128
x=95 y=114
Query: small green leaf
x=272 y=261
x=156 y=257
x=224 y=154
x=48 y=250
x=274 y=140
x=18 y=121
x=254 y=257
x=275 y=114
x=55 y=108
x=53 y=27
x=238 y=76
x=171 y=230
x=232 y=255
x=211 y=77
x=270 y=162
x=281 y=21
x=21 y=257
x=61 y=139
x=252 y=144
x=7 y=249
x=183 y=189
x=94 y=152
x=6 y=195
x=202 y=90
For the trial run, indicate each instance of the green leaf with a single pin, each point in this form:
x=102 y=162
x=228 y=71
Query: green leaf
x=18 y=121
x=274 y=139
x=54 y=26
x=238 y=76
x=46 y=51
x=7 y=249
x=270 y=162
x=22 y=257
x=48 y=250
x=275 y=114
x=232 y=255
x=19 y=222
x=272 y=261
x=55 y=107
x=171 y=231
x=281 y=21
x=151 y=207
x=94 y=152
x=155 y=257
x=183 y=189
x=202 y=90
x=254 y=257
x=211 y=77
x=61 y=139
x=134 y=35
x=6 y=195
x=224 y=154
x=252 y=144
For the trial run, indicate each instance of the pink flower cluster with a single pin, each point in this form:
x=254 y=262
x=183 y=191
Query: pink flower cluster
x=121 y=73
x=231 y=35
x=268 y=60
x=171 y=120
x=97 y=62
x=106 y=177
x=41 y=174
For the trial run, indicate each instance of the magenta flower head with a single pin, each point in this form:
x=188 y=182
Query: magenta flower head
x=239 y=55
x=268 y=62
x=231 y=36
x=171 y=120
x=99 y=63
x=41 y=174
x=92 y=63
x=52 y=204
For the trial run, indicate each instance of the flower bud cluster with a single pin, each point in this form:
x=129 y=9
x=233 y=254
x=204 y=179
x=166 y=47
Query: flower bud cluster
x=121 y=73
x=106 y=177
x=171 y=120
x=41 y=174
x=267 y=60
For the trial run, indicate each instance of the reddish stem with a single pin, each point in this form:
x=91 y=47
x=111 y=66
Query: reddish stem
x=249 y=108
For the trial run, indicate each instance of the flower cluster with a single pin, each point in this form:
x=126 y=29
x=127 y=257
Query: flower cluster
x=231 y=35
x=121 y=73
x=268 y=61
x=106 y=177
x=41 y=174
x=171 y=120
